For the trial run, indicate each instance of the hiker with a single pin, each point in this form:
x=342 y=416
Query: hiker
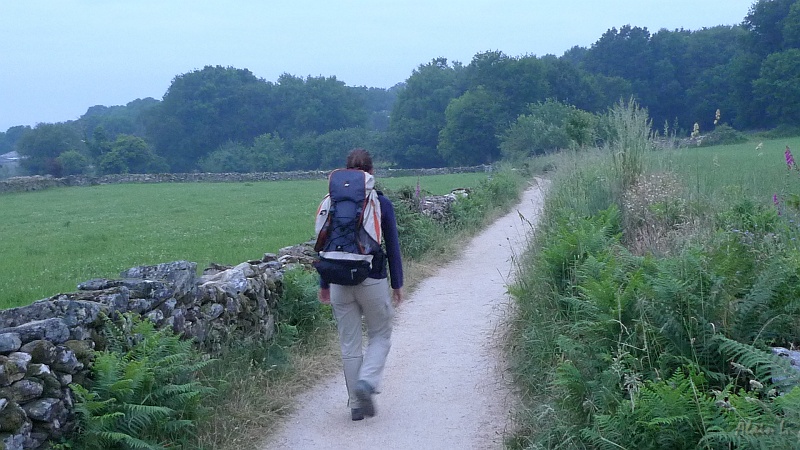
x=369 y=299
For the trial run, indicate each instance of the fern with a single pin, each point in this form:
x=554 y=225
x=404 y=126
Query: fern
x=768 y=369
x=755 y=310
x=143 y=394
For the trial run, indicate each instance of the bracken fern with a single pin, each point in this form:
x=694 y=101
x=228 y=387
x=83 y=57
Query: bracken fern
x=143 y=392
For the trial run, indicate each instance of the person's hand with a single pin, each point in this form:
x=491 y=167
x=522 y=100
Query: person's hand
x=397 y=296
x=324 y=296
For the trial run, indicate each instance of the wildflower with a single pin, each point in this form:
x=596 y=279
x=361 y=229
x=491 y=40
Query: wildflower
x=417 y=193
x=740 y=369
x=775 y=199
x=789 y=158
x=696 y=130
x=716 y=117
x=756 y=385
x=772 y=392
x=724 y=404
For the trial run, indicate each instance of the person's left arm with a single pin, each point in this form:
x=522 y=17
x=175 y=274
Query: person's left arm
x=392 y=240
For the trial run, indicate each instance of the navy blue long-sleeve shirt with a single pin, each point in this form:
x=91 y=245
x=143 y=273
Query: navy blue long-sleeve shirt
x=392 y=241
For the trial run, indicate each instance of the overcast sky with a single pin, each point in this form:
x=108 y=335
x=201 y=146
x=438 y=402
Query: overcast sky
x=59 y=57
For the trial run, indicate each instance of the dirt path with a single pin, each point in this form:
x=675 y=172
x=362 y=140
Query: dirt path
x=445 y=385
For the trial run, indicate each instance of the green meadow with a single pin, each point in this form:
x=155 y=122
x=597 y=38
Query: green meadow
x=756 y=168
x=52 y=240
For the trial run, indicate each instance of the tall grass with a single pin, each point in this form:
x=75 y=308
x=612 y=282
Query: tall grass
x=630 y=140
x=645 y=322
x=756 y=168
x=52 y=240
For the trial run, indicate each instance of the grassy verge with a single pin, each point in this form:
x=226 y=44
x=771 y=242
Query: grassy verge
x=648 y=306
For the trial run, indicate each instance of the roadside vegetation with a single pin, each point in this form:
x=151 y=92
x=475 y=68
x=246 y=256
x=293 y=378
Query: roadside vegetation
x=658 y=283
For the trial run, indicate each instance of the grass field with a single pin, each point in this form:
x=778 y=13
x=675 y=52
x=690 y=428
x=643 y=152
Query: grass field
x=746 y=168
x=52 y=240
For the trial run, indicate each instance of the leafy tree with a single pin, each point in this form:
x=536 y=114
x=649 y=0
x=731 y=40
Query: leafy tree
x=548 y=126
x=272 y=151
x=625 y=53
x=575 y=55
x=419 y=113
x=791 y=27
x=206 y=108
x=378 y=104
x=736 y=77
x=766 y=21
x=571 y=84
x=717 y=75
x=267 y=154
x=779 y=86
x=100 y=144
x=230 y=157
x=304 y=152
x=8 y=140
x=131 y=154
x=73 y=162
x=116 y=120
x=334 y=146
x=316 y=105
x=42 y=145
x=514 y=81
x=469 y=136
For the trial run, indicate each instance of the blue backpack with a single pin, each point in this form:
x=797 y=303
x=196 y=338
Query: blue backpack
x=348 y=228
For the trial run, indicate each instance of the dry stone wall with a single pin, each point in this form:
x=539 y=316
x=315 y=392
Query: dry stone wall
x=38 y=182
x=46 y=346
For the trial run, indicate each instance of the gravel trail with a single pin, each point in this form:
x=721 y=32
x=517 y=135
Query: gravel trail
x=445 y=385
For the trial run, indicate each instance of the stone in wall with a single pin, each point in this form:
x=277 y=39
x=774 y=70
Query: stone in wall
x=438 y=207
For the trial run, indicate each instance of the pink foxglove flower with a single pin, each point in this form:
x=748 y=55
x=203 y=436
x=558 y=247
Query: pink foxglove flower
x=417 y=195
x=789 y=158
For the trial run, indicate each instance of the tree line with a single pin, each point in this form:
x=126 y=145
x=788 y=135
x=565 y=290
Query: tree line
x=225 y=119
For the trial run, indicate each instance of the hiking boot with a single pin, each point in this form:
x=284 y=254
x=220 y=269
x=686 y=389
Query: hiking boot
x=356 y=414
x=364 y=393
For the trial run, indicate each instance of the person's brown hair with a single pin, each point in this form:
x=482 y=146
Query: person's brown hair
x=359 y=159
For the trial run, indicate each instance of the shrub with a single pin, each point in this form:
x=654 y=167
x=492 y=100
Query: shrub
x=73 y=162
x=781 y=131
x=491 y=195
x=299 y=311
x=418 y=233
x=547 y=127
x=723 y=135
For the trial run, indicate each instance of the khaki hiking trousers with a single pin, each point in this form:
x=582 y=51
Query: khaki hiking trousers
x=372 y=301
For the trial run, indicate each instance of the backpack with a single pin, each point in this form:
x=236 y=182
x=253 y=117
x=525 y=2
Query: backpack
x=348 y=228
